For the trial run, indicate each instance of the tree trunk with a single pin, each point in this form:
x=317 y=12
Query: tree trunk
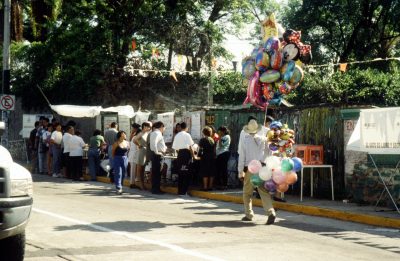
x=16 y=21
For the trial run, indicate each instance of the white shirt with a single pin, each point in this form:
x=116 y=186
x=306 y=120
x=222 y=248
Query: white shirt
x=157 y=144
x=253 y=148
x=182 y=140
x=45 y=137
x=76 y=145
x=263 y=133
x=56 y=136
x=65 y=142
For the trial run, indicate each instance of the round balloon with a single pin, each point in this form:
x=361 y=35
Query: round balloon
x=270 y=186
x=254 y=166
x=265 y=173
x=256 y=181
x=298 y=164
x=282 y=187
x=287 y=164
x=273 y=162
x=278 y=177
x=291 y=178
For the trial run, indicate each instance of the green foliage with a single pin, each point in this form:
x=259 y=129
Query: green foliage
x=356 y=86
x=348 y=30
x=85 y=46
x=229 y=88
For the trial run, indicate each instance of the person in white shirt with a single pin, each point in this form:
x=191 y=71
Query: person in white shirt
x=55 y=140
x=183 y=145
x=253 y=147
x=65 y=156
x=262 y=132
x=158 y=148
x=76 y=145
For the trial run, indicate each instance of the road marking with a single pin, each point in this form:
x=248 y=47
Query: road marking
x=172 y=247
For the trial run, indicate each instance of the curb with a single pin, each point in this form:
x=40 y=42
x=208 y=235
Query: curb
x=303 y=209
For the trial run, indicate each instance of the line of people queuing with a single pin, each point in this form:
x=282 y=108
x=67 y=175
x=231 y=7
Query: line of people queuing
x=146 y=145
x=55 y=151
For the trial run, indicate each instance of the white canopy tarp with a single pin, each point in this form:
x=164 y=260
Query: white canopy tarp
x=377 y=131
x=125 y=110
x=91 y=111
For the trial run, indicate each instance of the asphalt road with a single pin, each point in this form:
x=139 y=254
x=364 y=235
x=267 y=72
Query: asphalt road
x=88 y=221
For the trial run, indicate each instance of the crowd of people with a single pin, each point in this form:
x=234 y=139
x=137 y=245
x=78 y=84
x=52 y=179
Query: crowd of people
x=58 y=152
x=54 y=151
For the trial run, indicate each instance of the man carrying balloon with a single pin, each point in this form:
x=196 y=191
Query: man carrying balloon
x=254 y=149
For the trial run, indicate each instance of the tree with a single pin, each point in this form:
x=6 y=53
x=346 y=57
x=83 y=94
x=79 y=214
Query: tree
x=346 y=30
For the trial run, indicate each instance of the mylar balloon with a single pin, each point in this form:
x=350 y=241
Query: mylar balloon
x=248 y=69
x=270 y=76
x=262 y=60
x=252 y=89
x=287 y=164
x=271 y=44
x=265 y=173
x=267 y=91
x=256 y=181
x=298 y=164
x=297 y=76
x=287 y=70
x=290 y=52
x=254 y=166
x=276 y=59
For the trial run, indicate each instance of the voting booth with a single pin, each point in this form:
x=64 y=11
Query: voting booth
x=377 y=132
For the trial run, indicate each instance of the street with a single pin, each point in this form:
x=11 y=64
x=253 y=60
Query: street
x=88 y=221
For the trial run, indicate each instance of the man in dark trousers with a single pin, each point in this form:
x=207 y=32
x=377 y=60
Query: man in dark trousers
x=183 y=145
x=158 y=148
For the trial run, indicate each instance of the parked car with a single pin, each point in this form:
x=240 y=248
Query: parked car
x=16 y=200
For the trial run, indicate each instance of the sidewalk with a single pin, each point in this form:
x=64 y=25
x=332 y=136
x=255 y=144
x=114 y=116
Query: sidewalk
x=310 y=206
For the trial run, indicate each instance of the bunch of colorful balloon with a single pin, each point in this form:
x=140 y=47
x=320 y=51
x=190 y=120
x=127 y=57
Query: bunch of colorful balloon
x=275 y=69
x=276 y=175
x=280 y=139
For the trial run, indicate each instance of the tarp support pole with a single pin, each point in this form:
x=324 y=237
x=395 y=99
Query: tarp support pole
x=384 y=184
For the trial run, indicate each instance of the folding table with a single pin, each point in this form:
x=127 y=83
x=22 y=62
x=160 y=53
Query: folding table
x=311 y=167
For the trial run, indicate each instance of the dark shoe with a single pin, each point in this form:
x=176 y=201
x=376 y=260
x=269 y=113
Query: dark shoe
x=278 y=199
x=246 y=218
x=270 y=220
x=158 y=193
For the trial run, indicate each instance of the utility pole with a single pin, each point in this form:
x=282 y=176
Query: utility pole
x=210 y=84
x=6 y=66
x=6 y=48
